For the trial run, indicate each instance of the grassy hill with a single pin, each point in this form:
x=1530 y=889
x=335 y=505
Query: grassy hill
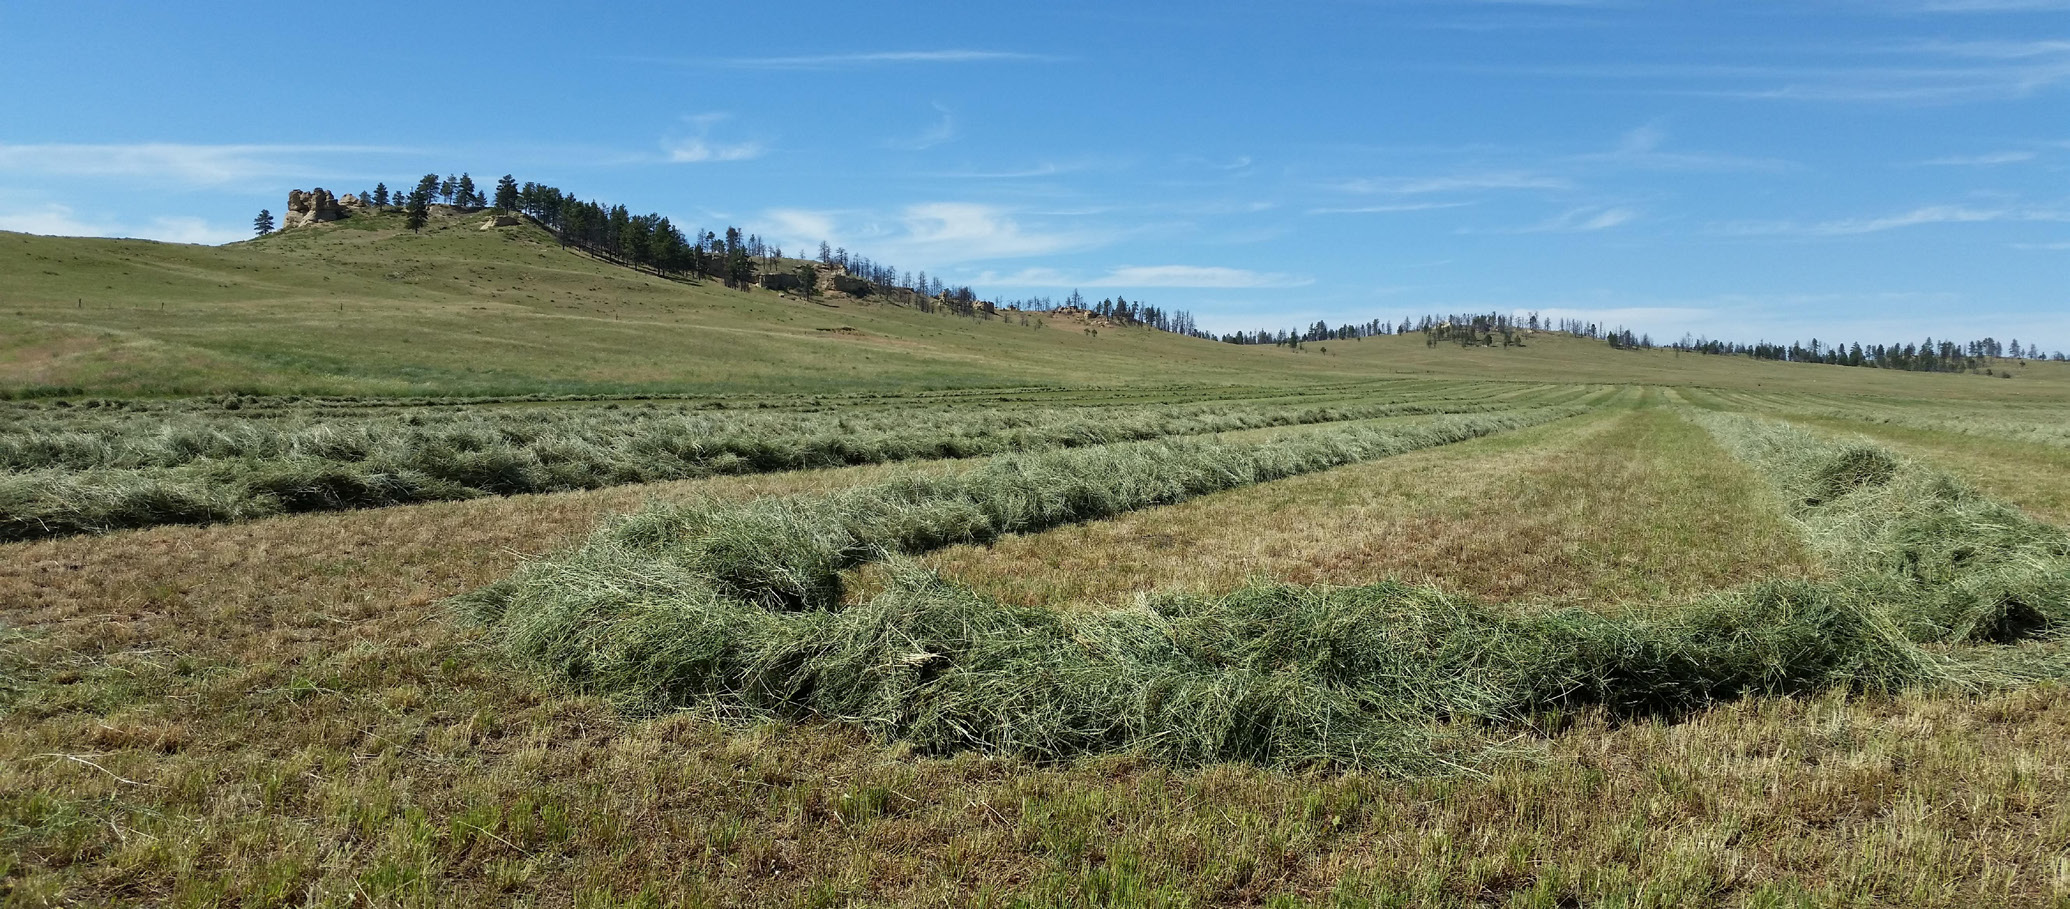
x=364 y=307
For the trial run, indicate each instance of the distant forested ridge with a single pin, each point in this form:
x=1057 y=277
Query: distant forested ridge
x=654 y=244
x=1926 y=356
x=1510 y=330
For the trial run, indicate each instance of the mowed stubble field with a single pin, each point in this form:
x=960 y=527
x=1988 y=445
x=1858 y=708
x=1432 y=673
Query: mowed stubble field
x=287 y=711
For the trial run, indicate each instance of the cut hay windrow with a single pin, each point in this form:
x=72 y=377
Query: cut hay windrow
x=1949 y=564
x=789 y=552
x=63 y=473
x=1387 y=678
x=734 y=611
x=2042 y=423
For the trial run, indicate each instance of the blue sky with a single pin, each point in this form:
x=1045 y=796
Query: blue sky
x=1832 y=168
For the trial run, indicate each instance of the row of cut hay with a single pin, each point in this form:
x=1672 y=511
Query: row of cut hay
x=2038 y=423
x=358 y=467
x=983 y=395
x=670 y=610
x=81 y=440
x=1386 y=678
x=790 y=552
x=1947 y=563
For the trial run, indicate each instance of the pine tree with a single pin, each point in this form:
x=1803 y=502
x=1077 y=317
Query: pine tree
x=809 y=277
x=263 y=224
x=380 y=195
x=446 y=187
x=464 y=191
x=740 y=270
x=507 y=194
x=418 y=212
x=419 y=209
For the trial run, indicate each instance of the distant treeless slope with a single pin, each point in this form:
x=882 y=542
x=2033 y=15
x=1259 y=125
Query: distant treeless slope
x=365 y=307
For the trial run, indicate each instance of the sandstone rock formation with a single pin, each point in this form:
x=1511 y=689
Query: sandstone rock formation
x=853 y=286
x=313 y=207
x=500 y=220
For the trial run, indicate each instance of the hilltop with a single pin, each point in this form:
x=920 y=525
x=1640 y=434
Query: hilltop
x=363 y=306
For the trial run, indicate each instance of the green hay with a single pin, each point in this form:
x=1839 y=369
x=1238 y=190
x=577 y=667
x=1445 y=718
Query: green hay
x=1850 y=470
x=789 y=553
x=1950 y=565
x=734 y=611
x=1387 y=678
x=88 y=470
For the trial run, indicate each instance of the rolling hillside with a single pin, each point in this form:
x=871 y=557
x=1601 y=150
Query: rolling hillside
x=364 y=307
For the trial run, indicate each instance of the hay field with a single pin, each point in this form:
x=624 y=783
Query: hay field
x=1381 y=643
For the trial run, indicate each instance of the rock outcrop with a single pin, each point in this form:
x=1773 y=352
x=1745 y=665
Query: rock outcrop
x=496 y=221
x=853 y=286
x=314 y=207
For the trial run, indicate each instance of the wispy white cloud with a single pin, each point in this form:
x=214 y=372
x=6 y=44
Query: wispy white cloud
x=699 y=148
x=63 y=221
x=1640 y=149
x=183 y=229
x=1937 y=73
x=51 y=221
x=1451 y=183
x=1045 y=169
x=1984 y=160
x=1129 y=276
x=878 y=58
x=1385 y=209
x=1987 y=50
x=200 y=165
x=963 y=231
x=1941 y=89
x=940 y=132
x=1929 y=214
x=1053 y=167
x=932 y=234
x=1576 y=220
x=1582 y=219
x=799 y=226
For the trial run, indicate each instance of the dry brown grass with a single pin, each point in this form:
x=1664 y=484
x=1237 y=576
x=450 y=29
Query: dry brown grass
x=1633 y=505
x=279 y=713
